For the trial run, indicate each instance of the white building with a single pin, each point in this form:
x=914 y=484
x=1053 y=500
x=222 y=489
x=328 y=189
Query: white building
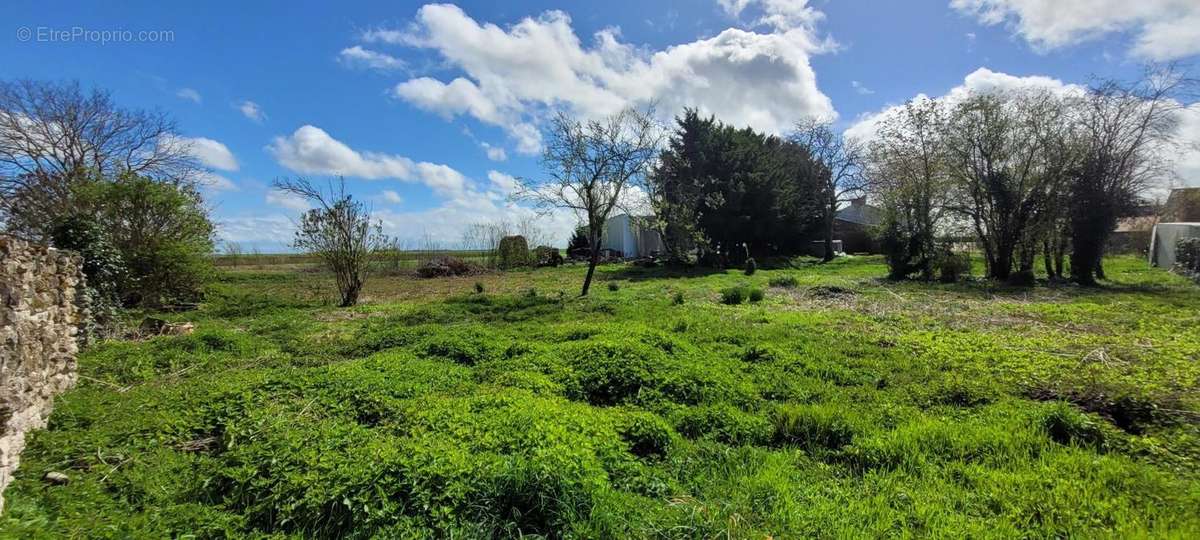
x=631 y=236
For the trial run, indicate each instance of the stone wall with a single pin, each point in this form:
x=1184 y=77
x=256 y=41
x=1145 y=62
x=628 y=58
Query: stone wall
x=39 y=319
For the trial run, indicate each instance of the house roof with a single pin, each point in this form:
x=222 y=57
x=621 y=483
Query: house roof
x=860 y=213
x=1183 y=204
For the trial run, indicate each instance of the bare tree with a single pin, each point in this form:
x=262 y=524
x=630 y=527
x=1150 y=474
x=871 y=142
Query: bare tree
x=998 y=149
x=1129 y=133
x=339 y=231
x=842 y=175
x=53 y=135
x=589 y=166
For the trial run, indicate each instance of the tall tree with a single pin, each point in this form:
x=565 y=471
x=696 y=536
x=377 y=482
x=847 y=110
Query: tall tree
x=590 y=165
x=54 y=136
x=840 y=175
x=997 y=147
x=908 y=176
x=1128 y=131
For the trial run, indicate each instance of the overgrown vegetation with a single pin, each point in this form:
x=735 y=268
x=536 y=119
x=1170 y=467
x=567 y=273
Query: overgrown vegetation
x=843 y=406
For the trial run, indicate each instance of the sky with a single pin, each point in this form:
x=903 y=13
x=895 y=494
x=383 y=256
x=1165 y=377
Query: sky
x=429 y=111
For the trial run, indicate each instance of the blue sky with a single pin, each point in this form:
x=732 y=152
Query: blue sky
x=429 y=110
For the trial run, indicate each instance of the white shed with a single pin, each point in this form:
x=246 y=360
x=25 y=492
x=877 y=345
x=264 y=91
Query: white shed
x=1164 y=238
x=631 y=236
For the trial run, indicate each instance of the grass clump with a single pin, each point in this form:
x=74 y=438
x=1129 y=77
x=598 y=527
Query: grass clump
x=614 y=286
x=784 y=282
x=733 y=296
x=812 y=427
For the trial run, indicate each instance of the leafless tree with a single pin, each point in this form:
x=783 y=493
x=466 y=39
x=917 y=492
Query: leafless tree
x=53 y=135
x=590 y=165
x=1128 y=132
x=998 y=147
x=842 y=176
x=339 y=231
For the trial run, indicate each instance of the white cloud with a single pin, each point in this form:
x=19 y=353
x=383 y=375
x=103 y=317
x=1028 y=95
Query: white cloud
x=494 y=153
x=357 y=56
x=286 y=199
x=982 y=80
x=214 y=182
x=780 y=14
x=251 y=110
x=189 y=94
x=1187 y=155
x=274 y=231
x=512 y=76
x=310 y=150
x=504 y=183
x=1164 y=29
x=390 y=197
x=211 y=153
x=860 y=88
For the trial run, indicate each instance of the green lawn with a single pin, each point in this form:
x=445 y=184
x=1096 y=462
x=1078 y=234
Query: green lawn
x=838 y=405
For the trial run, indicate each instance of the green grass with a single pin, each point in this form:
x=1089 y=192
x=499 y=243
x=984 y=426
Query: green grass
x=837 y=404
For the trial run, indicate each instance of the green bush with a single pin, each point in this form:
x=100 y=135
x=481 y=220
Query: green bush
x=751 y=267
x=951 y=266
x=1187 y=256
x=1065 y=425
x=648 y=435
x=785 y=282
x=614 y=286
x=734 y=295
x=756 y=295
x=103 y=267
x=166 y=250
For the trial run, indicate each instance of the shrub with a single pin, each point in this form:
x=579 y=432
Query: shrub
x=756 y=295
x=951 y=266
x=1187 y=257
x=1065 y=425
x=647 y=434
x=614 y=286
x=103 y=267
x=812 y=427
x=751 y=266
x=785 y=282
x=514 y=252
x=166 y=250
x=733 y=296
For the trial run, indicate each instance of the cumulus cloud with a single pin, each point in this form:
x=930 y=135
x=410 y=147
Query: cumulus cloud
x=251 y=110
x=494 y=153
x=390 y=197
x=357 y=56
x=1163 y=29
x=512 y=76
x=983 y=80
x=287 y=199
x=211 y=153
x=310 y=150
x=189 y=94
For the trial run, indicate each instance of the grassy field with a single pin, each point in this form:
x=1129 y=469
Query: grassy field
x=837 y=405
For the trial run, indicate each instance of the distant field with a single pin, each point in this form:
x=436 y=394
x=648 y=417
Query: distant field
x=404 y=259
x=840 y=405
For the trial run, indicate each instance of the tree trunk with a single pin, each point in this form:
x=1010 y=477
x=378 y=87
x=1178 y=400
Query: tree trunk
x=1047 y=258
x=592 y=261
x=829 y=234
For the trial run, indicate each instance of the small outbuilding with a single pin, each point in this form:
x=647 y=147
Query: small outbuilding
x=1165 y=238
x=631 y=236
